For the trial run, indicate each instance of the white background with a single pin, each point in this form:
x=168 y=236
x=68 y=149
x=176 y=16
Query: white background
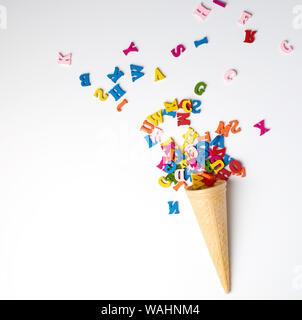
x=81 y=213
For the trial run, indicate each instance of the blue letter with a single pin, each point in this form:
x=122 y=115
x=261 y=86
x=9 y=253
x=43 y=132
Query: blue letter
x=85 y=80
x=117 y=92
x=173 y=207
x=115 y=75
x=136 y=72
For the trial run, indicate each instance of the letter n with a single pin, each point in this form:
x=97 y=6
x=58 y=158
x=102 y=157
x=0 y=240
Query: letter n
x=173 y=207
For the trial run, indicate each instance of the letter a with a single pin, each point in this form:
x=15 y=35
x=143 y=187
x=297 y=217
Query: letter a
x=159 y=75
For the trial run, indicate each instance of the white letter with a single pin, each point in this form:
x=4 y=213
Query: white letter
x=297 y=22
x=3 y=17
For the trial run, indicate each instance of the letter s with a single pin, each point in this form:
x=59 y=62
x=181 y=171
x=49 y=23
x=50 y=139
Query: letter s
x=178 y=50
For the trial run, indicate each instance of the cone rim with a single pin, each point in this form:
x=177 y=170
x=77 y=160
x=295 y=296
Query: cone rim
x=220 y=184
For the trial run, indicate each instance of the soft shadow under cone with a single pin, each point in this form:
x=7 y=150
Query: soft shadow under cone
x=210 y=208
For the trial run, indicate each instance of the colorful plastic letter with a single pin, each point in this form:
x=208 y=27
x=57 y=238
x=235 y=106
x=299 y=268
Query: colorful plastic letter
x=227 y=159
x=182 y=119
x=200 y=88
x=184 y=103
x=117 y=92
x=150 y=143
x=249 y=36
x=171 y=106
x=235 y=166
x=178 y=50
x=85 y=80
x=163 y=182
x=120 y=106
x=64 y=59
x=216 y=152
x=156 y=135
x=224 y=130
x=179 y=174
x=244 y=17
x=230 y=75
x=179 y=184
x=234 y=124
x=260 y=125
x=240 y=173
x=115 y=75
x=208 y=166
x=3 y=17
x=99 y=93
x=198 y=43
x=136 y=72
x=202 y=12
x=218 y=141
x=147 y=127
x=206 y=138
x=171 y=114
x=170 y=177
x=219 y=3
x=215 y=164
x=195 y=105
x=131 y=48
x=197 y=182
x=285 y=47
x=208 y=179
x=190 y=135
x=188 y=174
x=159 y=75
x=156 y=117
x=170 y=167
x=191 y=151
x=173 y=207
x=224 y=174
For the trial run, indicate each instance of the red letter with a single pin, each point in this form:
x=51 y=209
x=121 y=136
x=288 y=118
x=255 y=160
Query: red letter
x=182 y=119
x=249 y=36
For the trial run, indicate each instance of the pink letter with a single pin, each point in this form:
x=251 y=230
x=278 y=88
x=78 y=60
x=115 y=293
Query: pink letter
x=156 y=135
x=260 y=125
x=230 y=75
x=202 y=12
x=285 y=48
x=221 y=4
x=132 y=47
x=178 y=50
x=244 y=17
x=64 y=59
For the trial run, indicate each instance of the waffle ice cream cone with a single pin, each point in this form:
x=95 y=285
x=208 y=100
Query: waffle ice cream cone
x=209 y=206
